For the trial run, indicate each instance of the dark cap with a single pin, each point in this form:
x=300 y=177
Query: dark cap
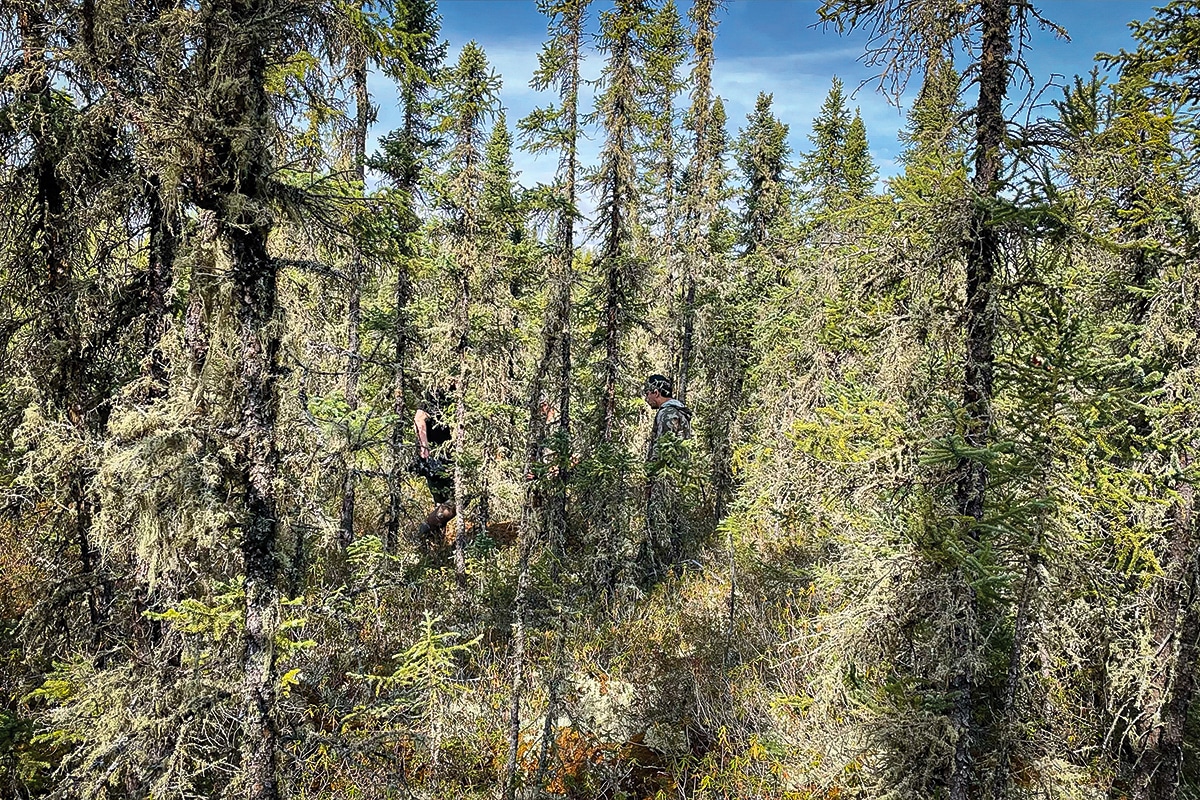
x=661 y=384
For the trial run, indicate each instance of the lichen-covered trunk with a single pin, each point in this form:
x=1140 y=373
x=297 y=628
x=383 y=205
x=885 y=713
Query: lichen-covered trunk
x=233 y=56
x=517 y=659
x=353 y=371
x=565 y=281
x=163 y=241
x=670 y=223
x=59 y=323
x=460 y=427
x=982 y=254
x=1175 y=644
x=254 y=282
x=687 y=339
x=612 y=318
x=406 y=188
x=700 y=199
x=363 y=114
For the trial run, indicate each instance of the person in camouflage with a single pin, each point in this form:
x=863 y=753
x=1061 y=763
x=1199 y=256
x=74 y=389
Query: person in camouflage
x=672 y=416
x=666 y=514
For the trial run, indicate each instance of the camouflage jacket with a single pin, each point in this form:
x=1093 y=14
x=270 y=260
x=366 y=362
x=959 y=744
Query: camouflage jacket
x=673 y=418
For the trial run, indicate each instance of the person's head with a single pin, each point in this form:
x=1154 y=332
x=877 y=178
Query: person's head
x=658 y=390
x=441 y=393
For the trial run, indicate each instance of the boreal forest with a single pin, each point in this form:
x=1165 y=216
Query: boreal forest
x=339 y=462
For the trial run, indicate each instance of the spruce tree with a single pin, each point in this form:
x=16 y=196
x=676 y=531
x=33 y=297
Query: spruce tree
x=469 y=103
x=556 y=129
x=1150 y=105
x=700 y=201
x=762 y=154
x=47 y=263
x=233 y=60
x=723 y=351
x=765 y=260
x=551 y=129
x=356 y=46
x=619 y=268
x=667 y=49
x=824 y=169
x=857 y=165
x=905 y=41
x=403 y=156
x=621 y=113
x=936 y=573
x=508 y=270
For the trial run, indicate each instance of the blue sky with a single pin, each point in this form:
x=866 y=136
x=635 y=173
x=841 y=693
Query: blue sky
x=771 y=46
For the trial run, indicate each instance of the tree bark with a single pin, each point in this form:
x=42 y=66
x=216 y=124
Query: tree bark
x=255 y=290
x=701 y=202
x=460 y=429
x=407 y=189
x=233 y=60
x=1175 y=642
x=982 y=255
x=163 y=240
x=363 y=115
x=49 y=244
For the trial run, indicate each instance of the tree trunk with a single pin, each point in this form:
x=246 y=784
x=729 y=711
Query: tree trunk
x=701 y=203
x=254 y=282
x=614 y=294
x=982 y=255
x=687 y=342
x=460 y=428
x=196 y=335
x=1175 y=643
x=612 y=349
x=233 y=57
x=49 y=242
x=358 y=66
x=353 y=371
x=558 y=499
x=163 y=241
x=517 y=658
x=363 y=115
x=407 y=189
